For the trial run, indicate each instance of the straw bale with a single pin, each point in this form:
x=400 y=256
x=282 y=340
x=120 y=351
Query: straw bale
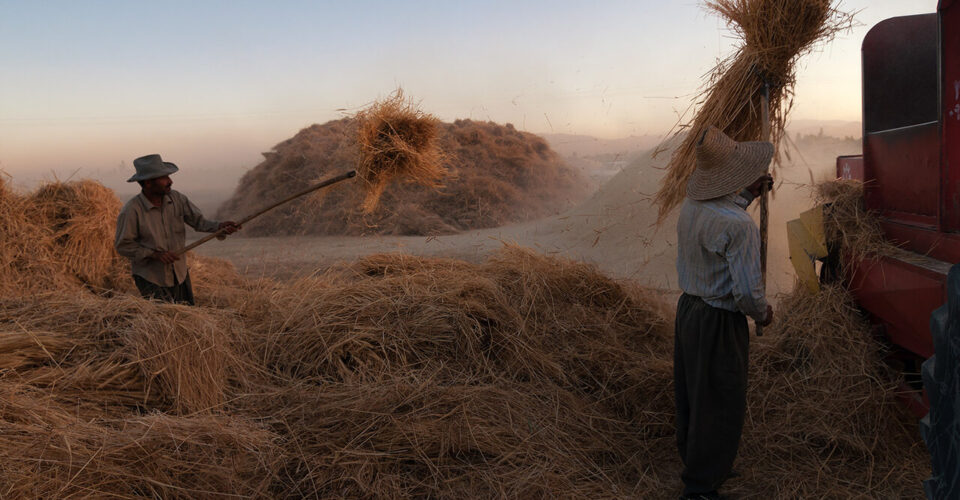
x=61 y=236
x=397 y=141
x=773 y=34
x=496 y=175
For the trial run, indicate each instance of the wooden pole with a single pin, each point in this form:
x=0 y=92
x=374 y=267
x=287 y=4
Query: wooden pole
x=332 y=180
x=764 y=192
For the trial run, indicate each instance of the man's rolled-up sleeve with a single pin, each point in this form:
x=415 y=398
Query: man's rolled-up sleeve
x=743 y=256
x=126 y=239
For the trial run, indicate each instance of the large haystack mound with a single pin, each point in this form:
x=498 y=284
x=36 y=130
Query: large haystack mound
x=497 y=175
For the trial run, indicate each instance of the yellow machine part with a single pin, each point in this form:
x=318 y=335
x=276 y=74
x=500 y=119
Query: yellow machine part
x=808 y=242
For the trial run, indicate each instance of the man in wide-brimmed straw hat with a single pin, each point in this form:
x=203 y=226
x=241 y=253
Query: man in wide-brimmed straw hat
x=150 y=228
x=718 y=267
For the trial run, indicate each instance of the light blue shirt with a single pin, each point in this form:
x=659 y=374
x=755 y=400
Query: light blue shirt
x=718 y=255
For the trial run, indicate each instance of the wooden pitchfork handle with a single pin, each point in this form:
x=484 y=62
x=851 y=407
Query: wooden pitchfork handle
x=333 y=180
x=764 y=192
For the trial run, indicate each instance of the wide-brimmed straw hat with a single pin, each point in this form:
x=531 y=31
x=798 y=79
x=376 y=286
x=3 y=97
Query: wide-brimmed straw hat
x=150 y=167
x=725 y=166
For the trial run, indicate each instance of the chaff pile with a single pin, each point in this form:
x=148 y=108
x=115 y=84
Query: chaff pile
x=773 y=34
x=398 y=376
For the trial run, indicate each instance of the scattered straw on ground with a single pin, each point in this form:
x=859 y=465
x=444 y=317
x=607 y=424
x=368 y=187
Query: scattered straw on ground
x=773 y=34
x=398 y=376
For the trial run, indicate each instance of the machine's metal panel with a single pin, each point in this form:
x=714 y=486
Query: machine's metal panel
x=950 y=116
x=936 y=244
x=900 y=77
x=902 y=295
x=902 y=171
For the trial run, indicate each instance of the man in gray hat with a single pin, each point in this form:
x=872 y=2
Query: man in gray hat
x=150 y=228
x=718 y=268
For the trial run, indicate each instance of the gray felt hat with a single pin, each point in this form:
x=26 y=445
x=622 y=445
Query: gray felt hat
x=151 y=167
x=726 y=166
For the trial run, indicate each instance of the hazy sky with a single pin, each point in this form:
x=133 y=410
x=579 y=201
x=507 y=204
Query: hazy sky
x=210 y=84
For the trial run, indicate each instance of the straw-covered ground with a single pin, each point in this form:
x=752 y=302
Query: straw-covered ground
x=393 y=376
x=495 y=175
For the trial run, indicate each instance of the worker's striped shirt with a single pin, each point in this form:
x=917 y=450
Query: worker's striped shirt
x=718 y=255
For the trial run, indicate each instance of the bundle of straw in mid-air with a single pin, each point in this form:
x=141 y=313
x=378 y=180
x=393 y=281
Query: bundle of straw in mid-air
x=773 y=34
x=397 y=140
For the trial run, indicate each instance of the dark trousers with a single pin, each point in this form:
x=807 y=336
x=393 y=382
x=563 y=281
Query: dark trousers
x=710 y=383
x=177 y=294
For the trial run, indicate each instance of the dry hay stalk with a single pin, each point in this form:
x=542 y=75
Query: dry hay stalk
x=81 y=220
x=397 y=140
x=127 y=352
x=446 y=370
x=822 y=417
x=773 y=34
x=186 y=355
x=394 y=313
x=48 y=451
x=523 y=376
x=417 y=436
x=26 y=255
x=847 y=222
x=854 y=230
x=216 y=282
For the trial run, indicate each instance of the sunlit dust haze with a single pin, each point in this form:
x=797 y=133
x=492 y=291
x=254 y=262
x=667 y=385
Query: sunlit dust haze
x=88 y=86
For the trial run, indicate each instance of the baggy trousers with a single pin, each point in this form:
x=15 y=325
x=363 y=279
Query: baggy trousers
x=710 y=384
x=177 y=294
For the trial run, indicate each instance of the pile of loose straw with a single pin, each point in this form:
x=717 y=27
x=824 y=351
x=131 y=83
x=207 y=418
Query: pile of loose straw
x=773 y=34
x=72 y=213
x=397 y=376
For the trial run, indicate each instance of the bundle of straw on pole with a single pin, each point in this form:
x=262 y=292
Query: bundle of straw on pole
x=773 y=34
x=397 y=140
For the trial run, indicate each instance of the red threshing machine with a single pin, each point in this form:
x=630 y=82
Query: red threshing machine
x=911 y=171
x=910 y=168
